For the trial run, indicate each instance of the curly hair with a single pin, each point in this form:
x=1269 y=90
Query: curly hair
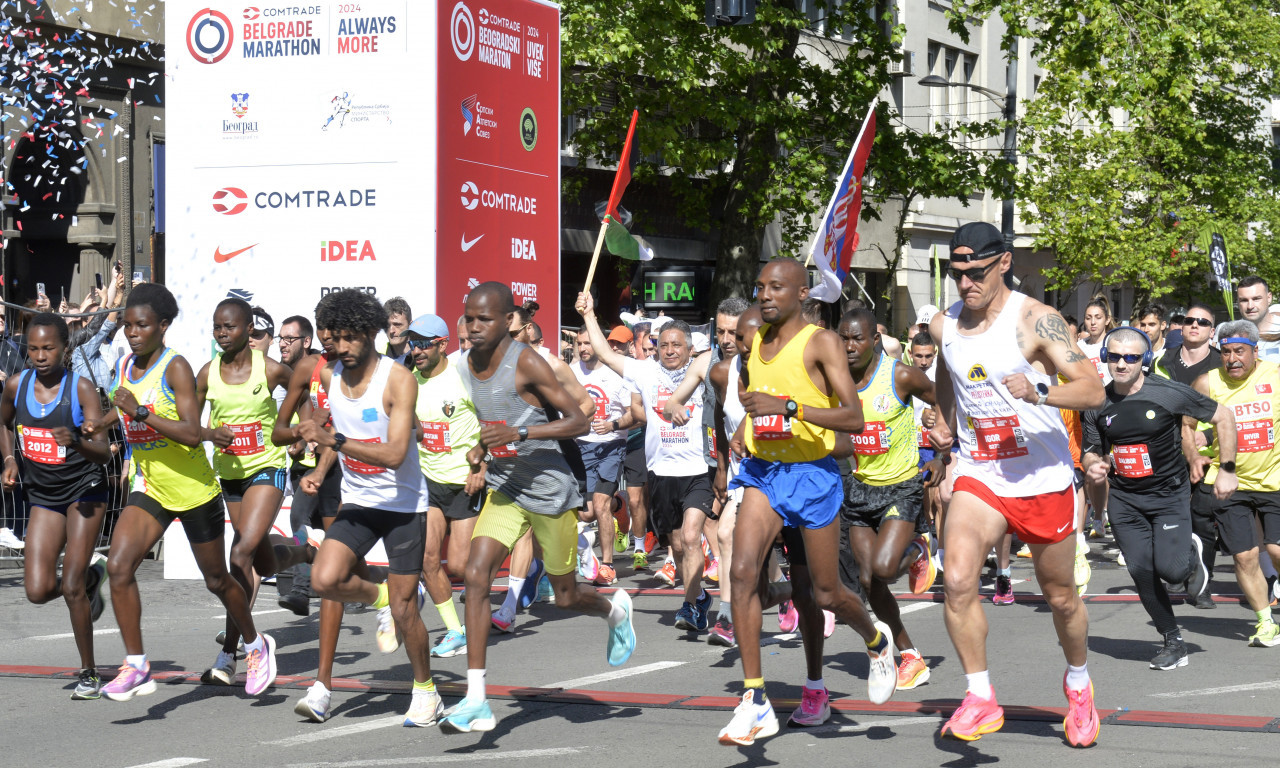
x=54 y=321
x=351 y=310
x=155 y=296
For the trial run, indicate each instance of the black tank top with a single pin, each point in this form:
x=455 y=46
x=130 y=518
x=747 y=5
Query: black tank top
x=53 y=475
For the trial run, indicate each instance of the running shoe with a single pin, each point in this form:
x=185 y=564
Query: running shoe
x=828 y=623
x=1199 y=578
x=94 y=579
x=1172 y=654
x=882 y=678
x=1095 y=529
x=974 y=718
x=650 y=542
x=386 y=635
x=912 y=672
x=687 y=618
x=88 y=685
x=223 y=671
x=1083 y=570
x=621 y=524
x=622 y=638
x=722 y=634
x=588 y=563
x=712 y=571
x=815 y=709
x=1081 y=723
x=315 y=705
x=750 y=721
x=10 y=540
x=922 y=573
x=1024 y=551
x=1267 y=636
x=1120 y=560
x=450 y=644
x=504 y=620
x=467 y=716
x=221 y=639
x=261 y=667
x=1272 y=581
x=546 y=593
x=425 y=709
x=295 y=601
x=606 y=576
x=703 y=604
x=1004 y=591
x=529 y=592
x=788 y=617
x=639 y=561
x=667 y=574
x=130 y=682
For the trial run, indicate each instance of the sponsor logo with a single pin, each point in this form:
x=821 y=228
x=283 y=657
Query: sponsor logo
x=470 y=195
x=523 y=249
x=523 y=292
x=325 y=290
x=343 y=108
x=467 y=244
x=347 y=250
x=1254 y=408
x=239 y=128
x=239 y=104
x=361 y=34
x=252 y=13
x=221 y=257
x=230 y=200
x=497 y=40
x=528 y=129
x=240 y=293
x=1262 y=389
x=977 y=373
x=478 y=116
x=882 y=403
x=283 y=12
x=472 y=283
x=276 y=39
x=209 y=36
x=447 y=409
x=462 y=31
x=473 y=196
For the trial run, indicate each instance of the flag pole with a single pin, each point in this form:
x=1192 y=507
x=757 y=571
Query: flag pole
x=595 y=257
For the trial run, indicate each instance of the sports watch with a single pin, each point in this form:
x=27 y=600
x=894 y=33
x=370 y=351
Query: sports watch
x=523 y=432
x=792 y=408
x=1043 y=390
x=339 y=440
x=1228 y=466
x=141 y=413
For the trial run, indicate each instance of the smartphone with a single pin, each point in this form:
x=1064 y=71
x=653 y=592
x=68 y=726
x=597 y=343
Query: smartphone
x=40 y=289
x=119 y=267
x=137 y=275
x=97 y=279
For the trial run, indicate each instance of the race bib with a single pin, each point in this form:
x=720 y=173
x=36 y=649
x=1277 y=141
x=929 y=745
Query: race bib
x=1001 y=437
x=923 y=440
x=435 y=437
x=136 y=432
x=600 y=399
x=359 y=467
x=1255 y=436
x=711 y=442
x=247 y=439
x=1100 y=366
x=872 y=441
x=1132 y=460
x=38 y=445
x=771 y=427
x=507 y=451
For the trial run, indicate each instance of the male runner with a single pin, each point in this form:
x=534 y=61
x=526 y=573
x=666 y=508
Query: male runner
x=296 y=336
x=635 y=469
x=530 y=488
x=1001 y=352
x=1152 y=320
x=1250 y=389
x=371 y=404
x=1136 y=439
x=1097 y=322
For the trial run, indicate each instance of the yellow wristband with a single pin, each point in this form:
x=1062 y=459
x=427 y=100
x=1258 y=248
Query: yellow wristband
x=800 y=411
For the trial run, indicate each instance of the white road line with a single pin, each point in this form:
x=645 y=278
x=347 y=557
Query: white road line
x=65 y=635
x=519 y=754
x=1263 y=686
x=335 y=733
x=173 y=762
x=259 y=613
x=913 y=607
x=869 y=724
x=579 y=682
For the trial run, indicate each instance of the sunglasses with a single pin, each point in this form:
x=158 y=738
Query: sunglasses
x=423 y=343
x=1203 y=322
x=1115 y=357
x=977 y=274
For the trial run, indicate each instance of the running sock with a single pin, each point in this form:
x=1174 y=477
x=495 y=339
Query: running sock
x=475 y=685
x=980 y=684
x=1078 y=677
x=1264 y=616
x=514 y=585
x=429 y=686
x=258 y=644
x=757 y=684
x=449 y=613
x=905 y=652
x=1268 y=568
x=383 y=599
x=138 y=662
x=878 y=643
x=639 y=543
x=815 y=685
x=1006 y=573
x=726 y=611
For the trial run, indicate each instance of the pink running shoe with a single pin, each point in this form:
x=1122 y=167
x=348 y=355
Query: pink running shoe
x=788 y=617
x=1081 y=722
x=815 y=709
x=975 y=718
x=261 y=671
x=828 y=623
x=130 y=682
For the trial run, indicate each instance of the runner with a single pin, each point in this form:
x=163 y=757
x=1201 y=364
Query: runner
x=636 y=465
x=296 y=334
x=1152 y=321
x=64 y=481
x=172 y=479
x=238 y=384
x=530 y=488
x=798 y=394
x=371 y=404
x=1248 y=388
x=882 y=514
x=1136 y=438
x=449 y=427
x=1000 y=352
x=1097 y=323
x=1195 y=356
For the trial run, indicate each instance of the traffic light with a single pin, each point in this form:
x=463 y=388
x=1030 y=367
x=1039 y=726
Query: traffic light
x=727 y=13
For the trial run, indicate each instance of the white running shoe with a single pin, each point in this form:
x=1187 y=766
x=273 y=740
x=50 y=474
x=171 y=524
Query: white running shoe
x=425 y=710
x=882 y=679
x=750 y=721
x=388 y=639
x=315 y=705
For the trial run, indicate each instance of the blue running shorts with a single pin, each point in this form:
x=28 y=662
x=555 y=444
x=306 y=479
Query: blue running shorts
x=805 y=494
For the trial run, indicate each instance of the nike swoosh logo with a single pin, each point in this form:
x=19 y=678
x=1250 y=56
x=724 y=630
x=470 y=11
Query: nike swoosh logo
x=219 y=257
x=1063 y=528
x=466 y=244
x=1170 y=527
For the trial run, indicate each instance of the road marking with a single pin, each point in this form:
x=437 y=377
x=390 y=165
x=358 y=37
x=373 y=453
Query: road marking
x=1263 y=686
x=902 y=609
x=173 y=762
x=869 y=724
x=579 y=682
x=65 y=635
x=519 y=754
x=340 y=731
x=259 y=613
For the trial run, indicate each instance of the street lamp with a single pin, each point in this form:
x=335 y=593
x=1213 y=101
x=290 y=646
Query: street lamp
x=1010 y=101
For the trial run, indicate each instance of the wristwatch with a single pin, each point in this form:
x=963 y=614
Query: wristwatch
x=141 y=413
x=792 y=408
x=1043 y=389
x=1228 y=466
x=523 y=432
x=339 y=440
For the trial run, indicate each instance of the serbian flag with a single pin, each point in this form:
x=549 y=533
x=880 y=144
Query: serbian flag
x=837 y=238
x=626 y=163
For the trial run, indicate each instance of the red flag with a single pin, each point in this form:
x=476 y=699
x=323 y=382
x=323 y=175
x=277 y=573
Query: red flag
x=625 y=164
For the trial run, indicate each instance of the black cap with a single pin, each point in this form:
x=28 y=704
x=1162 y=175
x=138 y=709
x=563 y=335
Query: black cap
x=980 y=237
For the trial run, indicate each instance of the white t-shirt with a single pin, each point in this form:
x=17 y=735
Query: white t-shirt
x=611 y=394
x=1095 y=352
x=670 y=451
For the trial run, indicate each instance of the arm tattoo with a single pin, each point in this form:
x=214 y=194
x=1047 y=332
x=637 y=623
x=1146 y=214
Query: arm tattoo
x=1052 y=327
x=1075 y=357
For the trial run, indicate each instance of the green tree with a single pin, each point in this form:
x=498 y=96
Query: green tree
x=1146 y=134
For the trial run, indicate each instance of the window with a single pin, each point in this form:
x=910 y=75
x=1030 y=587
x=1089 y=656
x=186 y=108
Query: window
x=952 y=105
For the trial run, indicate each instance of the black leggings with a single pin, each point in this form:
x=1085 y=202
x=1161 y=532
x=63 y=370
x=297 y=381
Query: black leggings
x=1154 y=533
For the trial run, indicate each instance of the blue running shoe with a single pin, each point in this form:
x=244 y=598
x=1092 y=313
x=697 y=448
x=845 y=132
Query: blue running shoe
x=546 y=593
x=529 y=592
x=450 y=644
x=467 y=716
x=687 y=618
x=704 y=606
x=622 y=638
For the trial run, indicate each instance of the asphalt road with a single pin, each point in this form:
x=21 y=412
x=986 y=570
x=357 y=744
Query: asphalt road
x=560 y=704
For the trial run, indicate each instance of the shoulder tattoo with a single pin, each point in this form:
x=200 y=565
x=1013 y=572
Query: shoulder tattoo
x=1051 y=327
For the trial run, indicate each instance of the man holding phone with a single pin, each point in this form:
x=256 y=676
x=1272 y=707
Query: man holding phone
x=87 y=343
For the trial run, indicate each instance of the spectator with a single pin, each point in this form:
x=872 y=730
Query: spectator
x=87 y=343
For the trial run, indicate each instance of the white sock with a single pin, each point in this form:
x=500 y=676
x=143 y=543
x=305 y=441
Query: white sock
x=138 y=662
x=1268 y=567
x=639 y=543
x=815 y=685
x=1081 y=540
x=1078 y=677
x=514 y=585
x=475 y=685
x=980 y=684
x=616 y=616
x=670 y=559
x=258 y=644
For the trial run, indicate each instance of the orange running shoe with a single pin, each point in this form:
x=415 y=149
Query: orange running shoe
x=1081 y=722
x=975 y=718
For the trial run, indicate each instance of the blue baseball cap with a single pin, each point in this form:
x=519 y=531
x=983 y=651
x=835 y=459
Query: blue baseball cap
x=429 y=327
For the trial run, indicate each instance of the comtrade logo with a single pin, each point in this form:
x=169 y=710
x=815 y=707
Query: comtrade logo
x=462 y=32
x=470 y=195
x=251 y=13
x=473 y=197
x=230 y=200
x=209 y=36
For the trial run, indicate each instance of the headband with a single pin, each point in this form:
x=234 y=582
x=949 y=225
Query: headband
x=1239 y=340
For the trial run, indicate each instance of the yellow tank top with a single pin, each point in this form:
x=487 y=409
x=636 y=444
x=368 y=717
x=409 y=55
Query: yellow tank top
x=177 y=476
x=449 y=426
x=1255 y=403
x=777 y=438
x=886 y=449
x=250 y=412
